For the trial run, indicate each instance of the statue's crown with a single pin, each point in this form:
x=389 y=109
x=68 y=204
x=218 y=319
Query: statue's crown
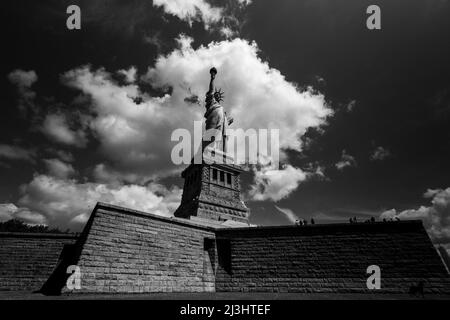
x=219 y=94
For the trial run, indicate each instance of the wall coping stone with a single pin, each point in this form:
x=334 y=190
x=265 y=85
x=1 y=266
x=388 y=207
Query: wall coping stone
x=318 y=229
x=37 y=235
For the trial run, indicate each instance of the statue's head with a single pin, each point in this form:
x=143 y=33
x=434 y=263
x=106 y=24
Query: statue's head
x=219 y=95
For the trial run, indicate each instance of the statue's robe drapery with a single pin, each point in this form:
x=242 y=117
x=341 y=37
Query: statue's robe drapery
x=215 y=119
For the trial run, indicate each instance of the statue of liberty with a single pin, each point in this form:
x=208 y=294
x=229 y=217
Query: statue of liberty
x=216 y=117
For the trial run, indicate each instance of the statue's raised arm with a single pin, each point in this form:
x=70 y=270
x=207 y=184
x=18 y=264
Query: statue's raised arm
x=212 y=72
x=209 y=99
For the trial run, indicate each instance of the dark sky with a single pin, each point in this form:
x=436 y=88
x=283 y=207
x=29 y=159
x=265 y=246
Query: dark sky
x=398 y=79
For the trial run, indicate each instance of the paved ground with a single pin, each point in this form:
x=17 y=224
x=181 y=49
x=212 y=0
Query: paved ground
x=8 y=295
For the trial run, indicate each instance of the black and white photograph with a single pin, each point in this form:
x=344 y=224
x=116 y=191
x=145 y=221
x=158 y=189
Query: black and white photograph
x=247 y=151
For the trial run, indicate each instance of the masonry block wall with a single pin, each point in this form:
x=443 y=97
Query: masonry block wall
x=122 y=250
x=129 y=251
x=27 y=259
x=328 y=258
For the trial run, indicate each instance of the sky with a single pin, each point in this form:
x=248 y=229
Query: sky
x=363 y=114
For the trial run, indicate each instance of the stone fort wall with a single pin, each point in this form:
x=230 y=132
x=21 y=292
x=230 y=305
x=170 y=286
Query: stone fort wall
x=129 y=251
x=330 y=258
x=122 y=250
x=28 y=259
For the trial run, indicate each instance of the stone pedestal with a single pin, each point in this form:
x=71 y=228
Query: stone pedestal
x=212 y=190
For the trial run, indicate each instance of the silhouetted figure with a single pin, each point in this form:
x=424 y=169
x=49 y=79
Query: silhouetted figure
x=312 y=221
x=372 y=219
x=305 y=222
x=417 y=290
x=384 y=219
x=354 y=220
x=350 y=220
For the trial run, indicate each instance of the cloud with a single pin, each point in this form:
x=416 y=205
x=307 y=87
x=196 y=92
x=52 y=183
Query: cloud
x=191 y=10
x=380 y=153
x=225 y=19
x=350 y=106
x=135 y=137
x=316 y=171
x=290 y=215
x=6 y=211
x=16 y=153
x=275 y=185
x=23 y=80
x=129 y=75
x=10 y=211
x=435 y=217
x=346 y=161
x=320 y=80
x=106 y=174
x=59 y=169
x=56 y=128
x=253 y=90
x=155 y=40
x=67 y=203
x=63 y=155
x=227 y=32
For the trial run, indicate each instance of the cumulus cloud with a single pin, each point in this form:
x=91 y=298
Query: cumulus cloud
x=56 y=127
x=253 y=90
x=346 y=161
x=223 y=18
x=129 y=75
x=315 y=171
x=276 y=184
x=227 y=32
x=6 y=211
x=191 y=10
x=436 y=217
x=59 y=169
x=380 y=153
x=67 y=203
x=23 y=80
x=106 y=174
x=288 y=213
x=16 y=153
x=10 y=211
x=135 y=137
